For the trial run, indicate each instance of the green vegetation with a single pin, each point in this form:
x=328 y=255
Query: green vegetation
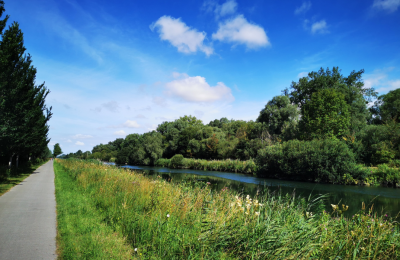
x=23 y=113
x=248 y=167
x=57 y=150
x=81 y=234
x=162 y=220
x=318 y=130
x=11 y=177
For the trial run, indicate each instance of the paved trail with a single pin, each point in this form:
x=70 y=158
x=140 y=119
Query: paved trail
x=28 y=218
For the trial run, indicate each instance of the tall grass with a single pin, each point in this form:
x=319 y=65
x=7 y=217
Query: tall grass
x=248 y=167
x=82 y=234
x=190 y=221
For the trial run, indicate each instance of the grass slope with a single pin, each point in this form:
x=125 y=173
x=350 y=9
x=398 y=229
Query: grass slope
x=81 y=233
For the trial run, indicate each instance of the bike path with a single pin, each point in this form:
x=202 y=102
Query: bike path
x=28 y=217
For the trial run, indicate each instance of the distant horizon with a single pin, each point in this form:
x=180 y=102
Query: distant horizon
x=115 y=69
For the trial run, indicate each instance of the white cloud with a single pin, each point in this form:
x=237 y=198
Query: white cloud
x=229 y=7
x=181 y=36
x=196 y=89
x=69 y=141
x=140 y=116
x=391 y=85
x=239 y=30
x=131 y=124
x=319 y=27
x=120 y=132
x=80 y=136
x=387 y=5
x=302 y=74
x=111 y=106
x=303 y=8
x=79 y=143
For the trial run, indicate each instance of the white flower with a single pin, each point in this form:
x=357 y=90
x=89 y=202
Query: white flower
x=168 y=216
x=257 y=213
x=135 y=249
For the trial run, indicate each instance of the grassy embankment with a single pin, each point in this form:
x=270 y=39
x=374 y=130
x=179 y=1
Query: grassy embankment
x=99 y=205
x=11 y=177
x=81 y=232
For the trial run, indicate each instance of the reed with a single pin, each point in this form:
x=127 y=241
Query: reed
x=162 y=220
x=228 y=165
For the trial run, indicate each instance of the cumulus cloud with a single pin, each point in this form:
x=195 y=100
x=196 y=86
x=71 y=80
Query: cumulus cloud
x=186 y=39
x=387 y=5
x=319 y=27
x=79 y=143
x=120 y=133
x=196 y=89
x=81 y=136
x=239 y=30
x=303 y=8
x=131 y=124
x=229 y=7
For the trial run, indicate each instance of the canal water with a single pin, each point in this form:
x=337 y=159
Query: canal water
x=384 y=200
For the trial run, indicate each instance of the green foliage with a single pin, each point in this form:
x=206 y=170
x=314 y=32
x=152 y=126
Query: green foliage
x=387 y=107
x=352 y=87
x=23 y=113
x=279 y=115
x=325 y=115
x=57 y=150
x=317 y=160
x=177 y=161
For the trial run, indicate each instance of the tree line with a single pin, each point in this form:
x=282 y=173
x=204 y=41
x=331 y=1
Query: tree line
x=325 y=105
x=24 y=115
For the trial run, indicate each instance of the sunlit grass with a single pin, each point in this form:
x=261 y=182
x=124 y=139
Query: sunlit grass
x=163 y=220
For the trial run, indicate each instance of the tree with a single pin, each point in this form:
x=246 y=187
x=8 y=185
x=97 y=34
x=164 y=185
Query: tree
x=278 y=114
x=356 y=95
x=23 y=113
x=387 y=107
x=57 y=150
x=326 y=114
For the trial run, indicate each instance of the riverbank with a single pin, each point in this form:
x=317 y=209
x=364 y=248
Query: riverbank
x=188 y=220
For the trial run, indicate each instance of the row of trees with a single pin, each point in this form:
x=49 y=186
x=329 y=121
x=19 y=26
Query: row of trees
x=23 y=112
x=323 y=105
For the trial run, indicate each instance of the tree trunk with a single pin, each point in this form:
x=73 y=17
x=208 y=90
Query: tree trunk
x=10 y=162
x=17 y=160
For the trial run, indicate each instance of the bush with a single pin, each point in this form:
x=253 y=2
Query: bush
x=319 y=160
x=177 y=161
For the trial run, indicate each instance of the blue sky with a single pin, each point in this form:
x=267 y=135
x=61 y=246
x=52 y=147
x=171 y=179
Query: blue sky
x=120 y=68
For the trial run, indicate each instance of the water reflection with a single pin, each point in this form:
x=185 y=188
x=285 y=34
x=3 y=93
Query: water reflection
x=385 y=200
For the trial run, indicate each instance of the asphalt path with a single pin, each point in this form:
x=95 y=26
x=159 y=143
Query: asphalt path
x=28 y=217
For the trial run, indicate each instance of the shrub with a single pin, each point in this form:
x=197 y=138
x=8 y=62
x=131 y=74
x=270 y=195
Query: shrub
x=319 y=160
x=177 y=161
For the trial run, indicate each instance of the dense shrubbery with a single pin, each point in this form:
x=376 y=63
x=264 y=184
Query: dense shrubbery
x=248 y=167
x=316 y=160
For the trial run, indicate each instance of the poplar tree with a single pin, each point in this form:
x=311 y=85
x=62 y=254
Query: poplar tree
x=23 y=113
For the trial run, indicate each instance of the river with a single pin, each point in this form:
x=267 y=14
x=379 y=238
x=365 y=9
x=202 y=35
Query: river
x=385 y=200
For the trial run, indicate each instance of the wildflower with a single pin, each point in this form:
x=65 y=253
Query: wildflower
x=208 y=183
x=257 y=213
x=168 y=216
x=334 y=207
x=135 y=249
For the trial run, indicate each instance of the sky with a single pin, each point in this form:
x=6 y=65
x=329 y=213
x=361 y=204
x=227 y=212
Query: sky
x=120 y=67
